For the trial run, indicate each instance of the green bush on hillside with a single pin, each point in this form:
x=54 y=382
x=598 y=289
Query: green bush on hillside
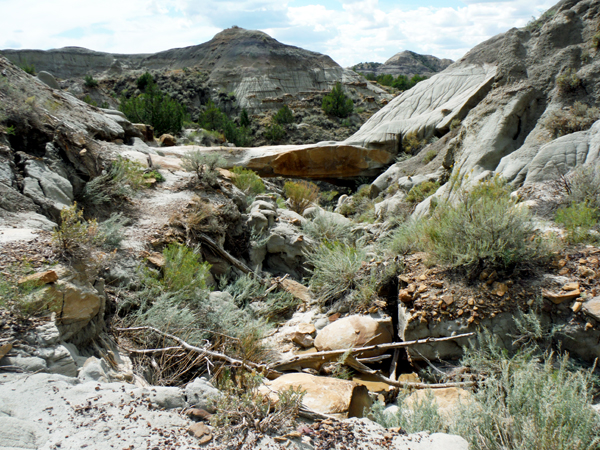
x=213 y=119
x=283 y=116
x=336 y=103
x=90 y=82
x=155 y=108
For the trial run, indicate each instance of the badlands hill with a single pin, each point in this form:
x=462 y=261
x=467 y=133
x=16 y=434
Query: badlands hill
x=405 y=63
x=257 y=68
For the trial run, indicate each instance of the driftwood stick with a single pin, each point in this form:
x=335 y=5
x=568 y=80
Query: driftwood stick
x=352 y=362
x=373 y=359
x=153 y=350
x=269 y=372
x=322 y=357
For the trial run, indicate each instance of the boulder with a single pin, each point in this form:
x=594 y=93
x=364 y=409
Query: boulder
x=73 y=301
x=326 y=395
x=167 y=140
x=354 y=331
x=48 y=79
x=50 y=185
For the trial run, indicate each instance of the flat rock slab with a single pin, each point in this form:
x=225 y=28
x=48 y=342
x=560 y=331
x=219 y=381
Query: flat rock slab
x=592 y=308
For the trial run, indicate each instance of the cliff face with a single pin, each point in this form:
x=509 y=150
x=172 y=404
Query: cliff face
x=257 y=68
x=406 y=63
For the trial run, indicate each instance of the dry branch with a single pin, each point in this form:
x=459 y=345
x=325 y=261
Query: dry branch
x=360 y=367
x=323 y=357
x=268 y=372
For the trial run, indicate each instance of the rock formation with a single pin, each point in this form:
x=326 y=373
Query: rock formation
x=504 y=90
x=405 y=63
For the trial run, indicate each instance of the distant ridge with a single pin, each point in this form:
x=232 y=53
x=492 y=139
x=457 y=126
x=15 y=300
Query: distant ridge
x=405 y=63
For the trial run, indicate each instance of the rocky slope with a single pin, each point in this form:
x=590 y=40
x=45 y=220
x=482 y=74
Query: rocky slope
x=405 y=63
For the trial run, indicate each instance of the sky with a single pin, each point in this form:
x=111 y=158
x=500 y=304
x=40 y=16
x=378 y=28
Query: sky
x=350 y=31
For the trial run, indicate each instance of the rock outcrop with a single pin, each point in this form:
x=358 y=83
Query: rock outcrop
x=405 y=63
x=504 y=91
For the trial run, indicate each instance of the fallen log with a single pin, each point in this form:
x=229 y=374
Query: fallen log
x=320 y=358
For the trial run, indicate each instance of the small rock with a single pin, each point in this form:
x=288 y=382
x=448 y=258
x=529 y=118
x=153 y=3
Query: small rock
x=577 y=307
x=571 y=286
x=157 y=259
x=404 y=296
x=438 y=284
x=40 y=278
x=448 y=299
x=302 y=339
x=557 y=299
x=307 y=328
x=198 y=414
x=201 y=431
x=586 y=272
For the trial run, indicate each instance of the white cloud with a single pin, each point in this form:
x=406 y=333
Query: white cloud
x=351 y=32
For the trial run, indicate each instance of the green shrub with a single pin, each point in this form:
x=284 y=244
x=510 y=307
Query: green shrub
x=144 y=80
x=155 y=108
x=90 y=82
x=484 y=229
x=204 y=165
x=16 y=297
x=336 y=103
x=584 y=186
x=301 y=194
x=407 y=238
x=89 y=100
x=456 y=123
x=74 y=235
x=421 y=191
x=327 y=228
x=411 y=143
x=27 y=68
x=334 y=267
x=117 y=184
x=596 y=41
x=110 y=232
x=248 y=181
x=569 y=81
x=183 y=269
x=579 y=117
x=283 y=116
x=274 y=132
x=578 y=220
